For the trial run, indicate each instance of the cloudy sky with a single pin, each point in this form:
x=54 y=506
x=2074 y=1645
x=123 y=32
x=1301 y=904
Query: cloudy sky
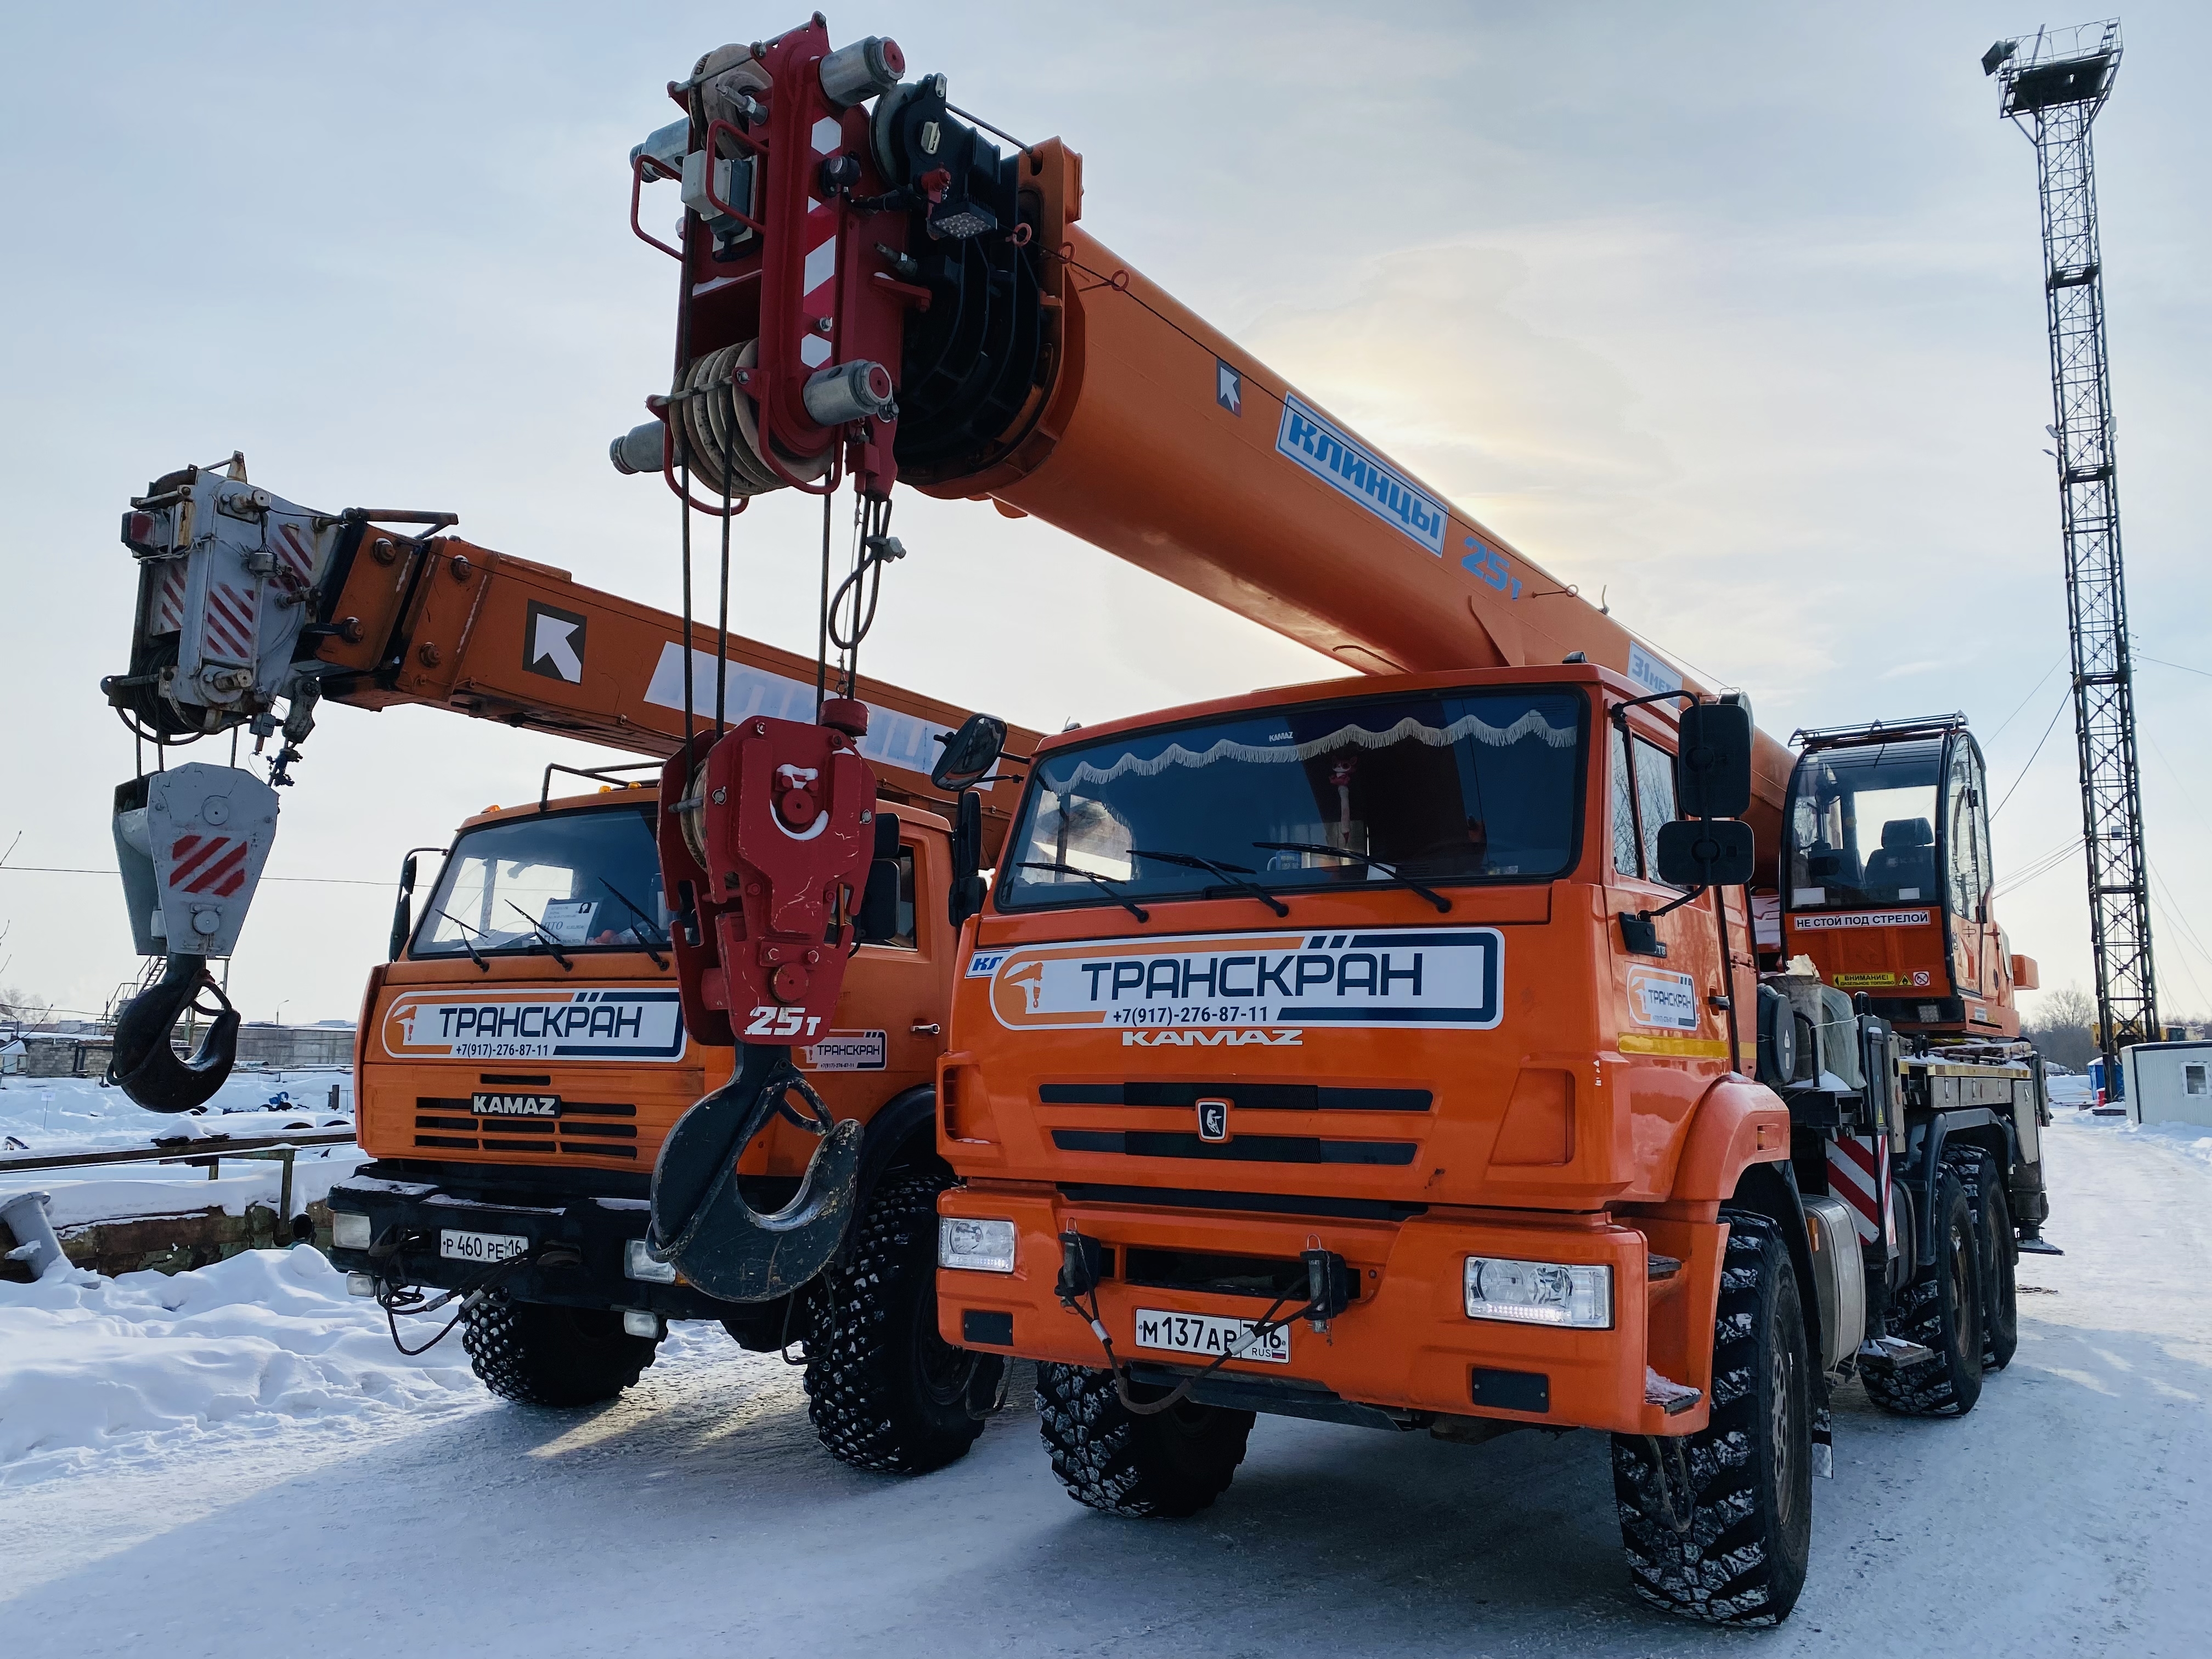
x=1730 y=313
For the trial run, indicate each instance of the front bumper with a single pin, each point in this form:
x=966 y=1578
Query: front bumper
x=1405 y=1351
x=586 y=1273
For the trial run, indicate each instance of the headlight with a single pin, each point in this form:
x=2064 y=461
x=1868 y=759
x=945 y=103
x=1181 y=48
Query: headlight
x=1539 y=1294
x=351 y=1232
x=636 y=1264
x=983 y=1247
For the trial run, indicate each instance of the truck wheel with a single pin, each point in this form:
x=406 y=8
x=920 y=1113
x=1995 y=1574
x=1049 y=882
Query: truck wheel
x=540 y=1355
x=1718 y=1525
x=1170 y=1465
x=1942 y=1311
x=883 y=1390
x=1984 y=1185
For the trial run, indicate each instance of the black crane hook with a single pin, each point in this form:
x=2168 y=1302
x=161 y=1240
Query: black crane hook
x=146 y=1068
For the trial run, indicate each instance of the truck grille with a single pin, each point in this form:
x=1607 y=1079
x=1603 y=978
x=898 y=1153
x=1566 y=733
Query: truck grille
x=451 y=1125
x=1244 y=1149
x=1244 y=1096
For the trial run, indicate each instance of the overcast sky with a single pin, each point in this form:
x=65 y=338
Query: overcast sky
x=1730 y=313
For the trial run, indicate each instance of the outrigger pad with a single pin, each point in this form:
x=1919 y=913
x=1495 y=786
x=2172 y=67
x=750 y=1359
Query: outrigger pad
x=701 y=1221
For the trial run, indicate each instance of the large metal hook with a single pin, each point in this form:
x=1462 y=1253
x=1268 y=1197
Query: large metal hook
x=701 y=1219
x=144 y=1066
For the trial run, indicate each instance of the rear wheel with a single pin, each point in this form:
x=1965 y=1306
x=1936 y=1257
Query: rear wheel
x=883 y=1390
x=1718 y=1525
x=537 y=1354
x=1982 y=1182
x=1942 y=1311
x=1170 y=1464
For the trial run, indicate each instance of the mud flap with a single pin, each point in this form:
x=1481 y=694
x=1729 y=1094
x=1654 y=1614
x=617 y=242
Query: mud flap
x=701 y=1221
x=146 y=1068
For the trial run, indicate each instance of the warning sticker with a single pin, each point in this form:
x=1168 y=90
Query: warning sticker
x=1832 y=920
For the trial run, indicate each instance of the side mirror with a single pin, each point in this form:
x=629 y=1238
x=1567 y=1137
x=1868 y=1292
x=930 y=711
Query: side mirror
x=403 y=912
x=1716 y=853
x=969 y=753
x=966 y=896
x=1712 y=770
x=878 y=920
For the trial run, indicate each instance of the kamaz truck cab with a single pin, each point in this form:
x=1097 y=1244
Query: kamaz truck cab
x=522 y=1057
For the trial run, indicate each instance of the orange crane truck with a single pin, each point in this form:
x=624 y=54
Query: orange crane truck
x=1392 y=1052
x=523 y=1054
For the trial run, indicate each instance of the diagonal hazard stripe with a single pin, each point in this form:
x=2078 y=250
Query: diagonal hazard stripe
x=1856 y=1148
x=191 y=852
x=228 y=864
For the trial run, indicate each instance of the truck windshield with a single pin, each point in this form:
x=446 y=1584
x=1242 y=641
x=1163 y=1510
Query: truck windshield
x=576 y=875
x=1442 y=789
x=1863 y=825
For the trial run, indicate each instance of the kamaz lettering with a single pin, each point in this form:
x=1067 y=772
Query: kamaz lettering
x=1343 y=463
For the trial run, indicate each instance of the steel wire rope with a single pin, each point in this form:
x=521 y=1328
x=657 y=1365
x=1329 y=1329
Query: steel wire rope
x=2037 y=750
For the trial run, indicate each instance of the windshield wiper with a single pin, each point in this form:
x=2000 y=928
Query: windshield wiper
x=551 y=943
x=657 y=960
x=466 y=945
x=1232 y=875
x=1360 y=859
x=1111 y=886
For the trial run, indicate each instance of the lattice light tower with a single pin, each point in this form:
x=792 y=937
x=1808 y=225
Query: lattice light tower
x=2052 y=87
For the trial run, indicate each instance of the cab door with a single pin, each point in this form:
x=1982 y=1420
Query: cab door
x=1671 y=1035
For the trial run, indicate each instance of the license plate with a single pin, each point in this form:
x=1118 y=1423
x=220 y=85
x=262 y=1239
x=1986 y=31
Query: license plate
x=1208 y=1337
x=507 y=1104
x=456 y=1246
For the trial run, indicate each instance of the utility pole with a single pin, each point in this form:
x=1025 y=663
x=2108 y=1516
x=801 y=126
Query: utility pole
x=2052 y=87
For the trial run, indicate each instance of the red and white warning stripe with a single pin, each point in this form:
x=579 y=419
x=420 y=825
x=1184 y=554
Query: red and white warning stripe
x=1858 y=1173
x=294 y=551
x=169 y=598
x=214 y=865
x=227 y=626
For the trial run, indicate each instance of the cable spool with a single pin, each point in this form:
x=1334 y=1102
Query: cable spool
x=720 y=417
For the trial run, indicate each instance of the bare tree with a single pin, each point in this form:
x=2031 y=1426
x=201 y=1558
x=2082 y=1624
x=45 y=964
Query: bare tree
x=2063 y=1027
x=20 y=1011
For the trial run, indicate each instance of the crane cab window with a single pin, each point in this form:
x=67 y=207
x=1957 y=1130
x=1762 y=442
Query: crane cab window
x=577 y=881
x=1642 y=799
x=1862 y=826
x=903 y=940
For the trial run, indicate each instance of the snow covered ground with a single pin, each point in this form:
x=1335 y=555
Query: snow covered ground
x=53 y=1116
x=234 y=1460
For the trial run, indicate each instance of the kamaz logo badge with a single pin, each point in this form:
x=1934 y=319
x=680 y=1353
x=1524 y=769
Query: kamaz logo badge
x=1213 y=1120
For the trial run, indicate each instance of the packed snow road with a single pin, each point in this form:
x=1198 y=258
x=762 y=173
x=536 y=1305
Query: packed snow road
x=2069 y=1514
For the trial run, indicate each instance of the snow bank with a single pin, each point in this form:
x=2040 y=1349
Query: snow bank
x=127 y=1191
x=266 y=1340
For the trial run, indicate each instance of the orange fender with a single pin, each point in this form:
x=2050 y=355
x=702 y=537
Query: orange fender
x=1738 y=1123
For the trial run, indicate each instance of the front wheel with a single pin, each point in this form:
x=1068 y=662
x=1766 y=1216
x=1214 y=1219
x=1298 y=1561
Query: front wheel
x=883 y=1390
x=1170 y=1464
x=537 y=1354
x=1718 y=1525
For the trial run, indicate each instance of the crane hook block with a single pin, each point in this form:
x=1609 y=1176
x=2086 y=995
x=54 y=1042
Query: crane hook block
x=765 y=846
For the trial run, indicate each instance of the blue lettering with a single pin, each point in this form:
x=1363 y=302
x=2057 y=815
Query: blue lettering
x=1191 y=977
x=1315 y=970
x=1164 y=978
x=1345 y=982
x=1275 y=973
x=1413 y=973
x=1127 y=976
x=1094 y=968
x=1229 y=990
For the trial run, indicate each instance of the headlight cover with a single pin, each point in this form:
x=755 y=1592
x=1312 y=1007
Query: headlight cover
x=1539 y=1294
x=636 y=1264
x=983 y=1247
x=350 y=1231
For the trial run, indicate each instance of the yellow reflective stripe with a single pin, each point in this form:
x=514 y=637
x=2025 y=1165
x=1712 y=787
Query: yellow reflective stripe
x=1697 y=1047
